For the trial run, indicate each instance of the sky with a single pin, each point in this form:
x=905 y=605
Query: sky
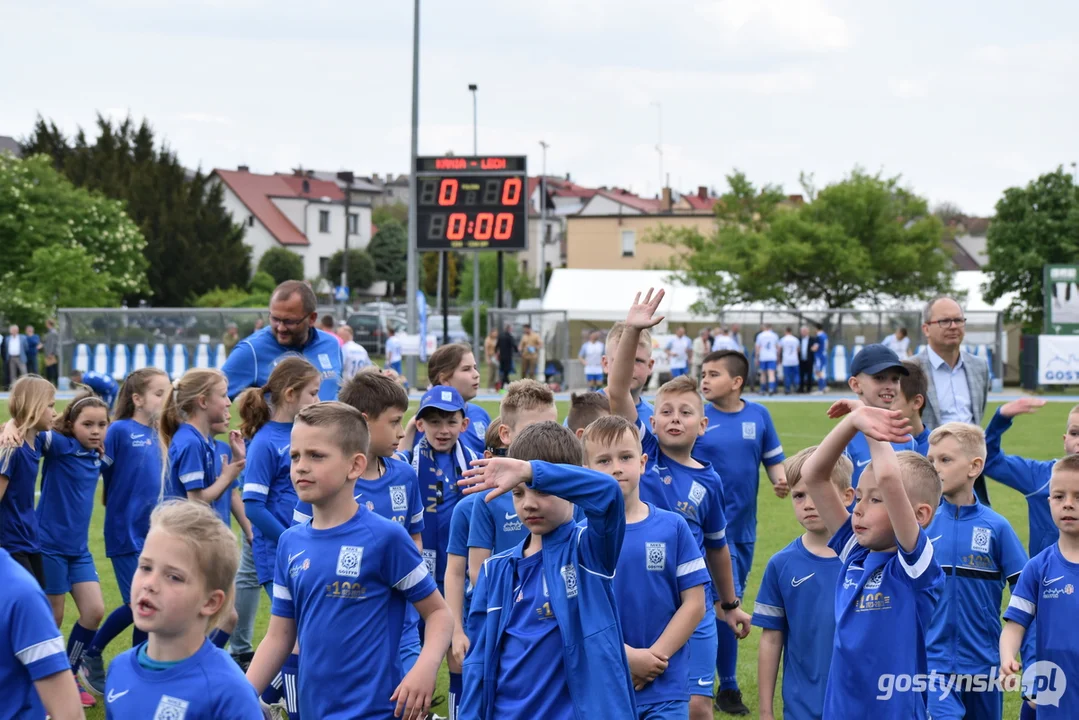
x=962 y=99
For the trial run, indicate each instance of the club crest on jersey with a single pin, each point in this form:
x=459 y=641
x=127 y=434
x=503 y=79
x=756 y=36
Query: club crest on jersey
x=667 y=479
x=398 y=498
x=430 y=559
x=170 y=708
x=324 y=361
x=656 y=556
x=979 y=540
x=370 y=506
x=749 y=431
x=348 y=561
x=569 y=576
x=875 y=579
x=696 y=493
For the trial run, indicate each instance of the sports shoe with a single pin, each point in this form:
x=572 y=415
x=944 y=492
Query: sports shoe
x=92 y=674
x=86 y=698
x=274 y=712
x=730 y=702
x=244 y=660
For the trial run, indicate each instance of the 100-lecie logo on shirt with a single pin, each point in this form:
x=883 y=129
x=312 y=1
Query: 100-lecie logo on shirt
x=870 y=600
x=655 y=556
x=348 y=561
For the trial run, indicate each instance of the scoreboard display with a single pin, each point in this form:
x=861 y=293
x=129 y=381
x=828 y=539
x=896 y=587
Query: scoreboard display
x=471 y=203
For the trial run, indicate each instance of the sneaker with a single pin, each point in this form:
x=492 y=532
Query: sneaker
x=274 y=712
x=86 y=698
x=92 y=674
x=244 y=660
x=730 y=702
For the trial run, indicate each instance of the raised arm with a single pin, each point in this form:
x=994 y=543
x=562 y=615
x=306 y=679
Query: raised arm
x=817 y=473
x=641 y=316
x=896 y=501
x=1018 y=473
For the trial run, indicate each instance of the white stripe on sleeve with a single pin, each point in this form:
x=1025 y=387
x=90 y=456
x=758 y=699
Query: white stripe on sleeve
x=768 y=610
x=847 y=548
x=300 y=518
x=417 y=517
x=413 y=578
x=256 y=488
x=1023 y=605
x=688 y=567
x=920 y=565
x=772 y=453
x=194 y=475
x=281 y=592
x=42 y=650
x=716 y=535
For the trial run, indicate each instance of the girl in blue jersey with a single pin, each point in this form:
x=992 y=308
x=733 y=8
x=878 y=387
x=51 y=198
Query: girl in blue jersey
x=455 y=365
x=32 y=403
x=183 y=584
x=132 y=487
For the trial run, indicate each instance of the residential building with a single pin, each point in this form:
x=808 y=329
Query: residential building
x=563 y=198
x=619 y=241
x=393 y=189
x=10 y=145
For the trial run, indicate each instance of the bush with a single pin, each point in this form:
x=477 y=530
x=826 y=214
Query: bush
x=263 y=282
x=361 y=269
x=281 y=265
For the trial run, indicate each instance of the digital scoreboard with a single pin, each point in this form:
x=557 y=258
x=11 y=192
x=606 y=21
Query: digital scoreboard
x=471 y=203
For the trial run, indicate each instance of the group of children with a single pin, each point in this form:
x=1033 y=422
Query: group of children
x=592 y=569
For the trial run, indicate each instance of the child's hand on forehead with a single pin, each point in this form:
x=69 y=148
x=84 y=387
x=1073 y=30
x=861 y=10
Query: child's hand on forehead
x=497 y=474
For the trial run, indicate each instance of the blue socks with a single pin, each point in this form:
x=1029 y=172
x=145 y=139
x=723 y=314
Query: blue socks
x=219 y=638
x=273 y=693
x=727 y=657
x=80 y=639
x=290 y=672
x=1027 y=713
x=114 y=624
x=456 y=689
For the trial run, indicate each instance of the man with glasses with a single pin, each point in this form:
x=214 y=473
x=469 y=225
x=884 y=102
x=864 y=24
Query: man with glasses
x=958 y=381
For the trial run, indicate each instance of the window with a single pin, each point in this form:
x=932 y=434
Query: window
x=324 y=266
x=629 y=243
x=250 y=221
x=524 y=267
x=353 y=224
x=324 y=221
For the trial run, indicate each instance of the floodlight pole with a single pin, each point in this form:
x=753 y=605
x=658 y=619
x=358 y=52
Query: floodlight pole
x=413 y=280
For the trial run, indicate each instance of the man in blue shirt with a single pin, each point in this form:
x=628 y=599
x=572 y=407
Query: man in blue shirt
x=33 y=345
x=820 y=359
x=874 y=378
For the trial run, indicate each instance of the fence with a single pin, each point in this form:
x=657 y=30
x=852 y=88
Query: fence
x=553 y=327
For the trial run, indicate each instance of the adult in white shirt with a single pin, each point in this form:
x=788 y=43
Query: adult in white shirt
x=789 y=346
x=354 y=355
x=680 y=351
x=591 y=354
x=899 y=343
x=723 y=341
x=15 y=349
x=767 y=347
x=701 y=347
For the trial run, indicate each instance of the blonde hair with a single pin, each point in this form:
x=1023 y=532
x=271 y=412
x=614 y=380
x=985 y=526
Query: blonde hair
x=523 y=395
x=29 y=403
x=291 y=374
x=970 y=438
x=606 y=431
x=216 y=553
x=920 y=478
x=194 y=384
x=1068 y=463
x=615 y=334
x=841 y=474
x=681 y=385
x=136 y=383
x=349 y=428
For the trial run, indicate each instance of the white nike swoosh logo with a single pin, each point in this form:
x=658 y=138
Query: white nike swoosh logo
x=511 y=517
x=136 y=436
x=799 y=581
x=293 y=557
x=710 y=428
x=938 y=537
x=863 y=464
x=1050 y=581
x=283 y=450
x=704 y=683
x=114 y=696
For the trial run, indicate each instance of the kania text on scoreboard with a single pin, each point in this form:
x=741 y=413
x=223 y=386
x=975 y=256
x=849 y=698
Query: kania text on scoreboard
x=471 y=203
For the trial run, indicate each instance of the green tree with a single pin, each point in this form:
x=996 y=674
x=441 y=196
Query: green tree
x=429 y=273
x=389 y=250
x=397 y=212
x=518 y=283
x=192 y=244
x=262 y=282
x=61 y=245
x=862 y=239
x=281 y=264
x=361 y=268
x=1034 y=226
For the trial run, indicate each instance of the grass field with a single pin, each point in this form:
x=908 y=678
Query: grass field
x=799 y=425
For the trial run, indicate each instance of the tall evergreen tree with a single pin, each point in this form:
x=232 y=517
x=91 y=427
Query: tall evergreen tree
x=192 y=244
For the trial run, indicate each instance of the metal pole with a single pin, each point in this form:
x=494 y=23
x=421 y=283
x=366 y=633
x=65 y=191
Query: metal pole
x=445 y=274
x=413 y=280
x=542 y=279
x=348 y=179
x=476 y=334
x=659 y=143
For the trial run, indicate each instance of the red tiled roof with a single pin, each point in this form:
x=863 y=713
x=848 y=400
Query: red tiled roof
x=696 y=202
x=648 y=205
x=255 y=191
x=317 y=189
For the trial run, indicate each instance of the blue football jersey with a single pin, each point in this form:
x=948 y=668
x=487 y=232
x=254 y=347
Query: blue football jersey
x=736 y=444
x=797 y=598
x=223 y=504
x=191 y=462
x=132 y=485
x=18 y=521
x=69 y=478
x=395 y=495
x=268 y=480
x=495 y=525
x=858 y=452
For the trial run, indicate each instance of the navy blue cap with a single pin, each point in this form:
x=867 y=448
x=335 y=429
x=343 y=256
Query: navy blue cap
x=874 y=359
x=442 y=397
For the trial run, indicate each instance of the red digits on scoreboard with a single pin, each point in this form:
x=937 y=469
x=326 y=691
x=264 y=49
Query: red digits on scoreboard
x=447 y=193
x=511 y=191
x=503 y=226
x=484 y=224
x=456 y=229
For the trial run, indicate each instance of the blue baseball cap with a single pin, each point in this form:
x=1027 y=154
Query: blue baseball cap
x=442 y=397
x=874 y=359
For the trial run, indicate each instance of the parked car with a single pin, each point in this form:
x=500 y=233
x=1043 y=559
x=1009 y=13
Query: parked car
x=385 y=308
x=456 y=328
x=369 y=329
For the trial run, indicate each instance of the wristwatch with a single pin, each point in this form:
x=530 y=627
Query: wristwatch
x=731 y=605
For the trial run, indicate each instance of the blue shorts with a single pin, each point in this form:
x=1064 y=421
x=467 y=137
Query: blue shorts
x=63 y=571
x=741 y=564
x=679 y=372
x=670 y=710
x=820 y=363
x=768 y=365
x=594 y=377
x=396 y=365
x=963 y=703
x=703 y=646
x=124 y=567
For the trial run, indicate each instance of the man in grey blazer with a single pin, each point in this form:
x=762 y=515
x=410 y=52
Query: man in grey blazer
x=958 y=381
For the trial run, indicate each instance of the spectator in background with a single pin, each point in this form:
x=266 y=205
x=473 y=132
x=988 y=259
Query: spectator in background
x=701 y=347
x=736 y=338
x=52 y=352
x=230 y=338
x=591 y=354
x=354 y=356
x=507 y=346
x=680 y=352
x=490 y=356
x=807 y=347
x=723 y=341
x=899 y=343
x=393 y=350
x=329 y=325
x=15 y=344
x=789 y=349
x=259 y=324
x=33 y=345
x=530 y=348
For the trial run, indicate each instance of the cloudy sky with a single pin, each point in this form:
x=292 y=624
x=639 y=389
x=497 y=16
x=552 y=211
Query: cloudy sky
x=962 y=98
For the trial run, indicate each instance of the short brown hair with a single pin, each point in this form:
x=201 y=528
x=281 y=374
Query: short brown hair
x=970 y=438
x=586 y=408
x=522 y=395
x=1068 y=463
x=735 y=362
x=547 y=441
x=349 y=427
x=492 y=439
x=606 y=431
x=920 y=478
x=444 y=361
x=914 y=383
x=681 y=385
x=290 y=287
x=373 y=393
x=841 y=474
x=615 y=334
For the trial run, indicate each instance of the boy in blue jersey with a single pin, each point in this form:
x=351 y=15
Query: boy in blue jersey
x=979 y=553
x=102 y=385
x=341 y=586
x=891 y=579
x=820 y=359
x=910 y=401
x=874 y=378
x=1030 y=477
x=585 y=409
x=546 y=640
x=738 y=439
x=1045 y=599
x=795 y=606
x=659 y=584
x=642 y=366
x=34 y=668
x=675 y=480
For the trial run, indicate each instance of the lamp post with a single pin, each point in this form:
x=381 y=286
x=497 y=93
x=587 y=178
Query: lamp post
x=659 y=142
x=413 y=279
x=542 y=279
x=347 y=177
x=472 y=88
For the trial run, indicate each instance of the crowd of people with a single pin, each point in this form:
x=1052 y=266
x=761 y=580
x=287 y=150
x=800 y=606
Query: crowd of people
x=591 y=569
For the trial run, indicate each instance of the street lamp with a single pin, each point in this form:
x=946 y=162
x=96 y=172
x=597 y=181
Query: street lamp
x=347 y=177
x=543 y=222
